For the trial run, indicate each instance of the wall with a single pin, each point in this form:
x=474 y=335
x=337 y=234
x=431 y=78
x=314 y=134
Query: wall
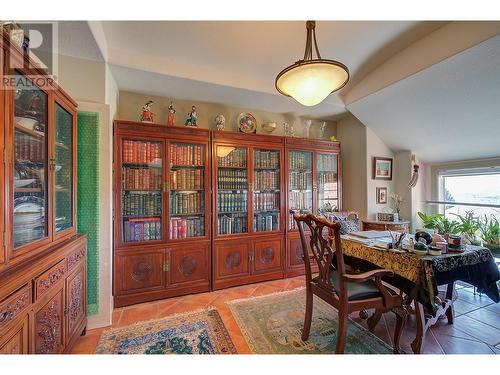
x=130 y=108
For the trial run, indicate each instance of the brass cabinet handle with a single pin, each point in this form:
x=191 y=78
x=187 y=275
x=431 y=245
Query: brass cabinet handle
x=166 y=266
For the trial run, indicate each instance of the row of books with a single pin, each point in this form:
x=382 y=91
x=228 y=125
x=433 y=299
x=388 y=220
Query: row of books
x=300 y=180
x=185 y=179
x=141 y=178
x=139 y=230
x=327 y=162
x=142 y=204
x=232 y=179
x=186 y=203
x=327 y=177
x=266 y=201
x=299 y=160
x=28 y=148
x=267 y=180
x=181 y=154
x=141 y=152
x=266 y=223
x=232 y=224
x=300 y=200
x=187 y=227
x=228 y=202
x=266 y=159
x=236 y=158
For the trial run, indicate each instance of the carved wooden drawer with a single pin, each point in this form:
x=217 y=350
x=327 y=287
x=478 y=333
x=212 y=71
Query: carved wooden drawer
x=14 y=305
x=76 y=258
x=16 y=340
x=50 y=278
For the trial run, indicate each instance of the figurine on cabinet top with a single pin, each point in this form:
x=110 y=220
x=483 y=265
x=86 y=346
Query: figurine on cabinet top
x=220 y=122
x=191 y=120
x=147 y=115
x=171 y=115
x=288 y=130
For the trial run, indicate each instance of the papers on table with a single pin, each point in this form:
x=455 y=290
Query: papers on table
x=371 y=234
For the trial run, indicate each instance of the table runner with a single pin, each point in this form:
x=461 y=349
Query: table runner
x=419 y=276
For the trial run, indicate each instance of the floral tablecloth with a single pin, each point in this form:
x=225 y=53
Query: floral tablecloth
x=419 y=276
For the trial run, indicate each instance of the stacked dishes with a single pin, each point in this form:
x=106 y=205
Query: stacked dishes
x=29 y=220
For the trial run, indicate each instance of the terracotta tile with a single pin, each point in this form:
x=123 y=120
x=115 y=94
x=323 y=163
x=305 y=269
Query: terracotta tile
x=165 y=305
x=461 y=307
x=475 y=299
x=138 y=314
x=486 y=316
x=443 y=328
x=86 y=344
x=115 y=317
x=494 y=307
x=456 y=345
x=477 y=329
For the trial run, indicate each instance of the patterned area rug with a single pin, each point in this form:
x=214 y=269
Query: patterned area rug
x=197 y=332
x=272 y=324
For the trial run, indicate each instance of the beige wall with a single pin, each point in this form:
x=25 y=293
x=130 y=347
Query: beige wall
x=130 y=104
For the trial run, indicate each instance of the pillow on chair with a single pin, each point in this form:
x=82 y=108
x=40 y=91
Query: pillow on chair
x=348 y=223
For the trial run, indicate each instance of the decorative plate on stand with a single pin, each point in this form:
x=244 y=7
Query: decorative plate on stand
x=247 y=123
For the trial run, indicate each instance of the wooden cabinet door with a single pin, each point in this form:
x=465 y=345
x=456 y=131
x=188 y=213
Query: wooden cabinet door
x=267 y=256
x=189 y=264
x=16 y=340
x=295 y=252
x=49 y=325
x=140 y=271
x=231 y=259
x=75 y=301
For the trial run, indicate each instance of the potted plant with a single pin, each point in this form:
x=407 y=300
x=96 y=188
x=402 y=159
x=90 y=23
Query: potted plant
x=440 y=224
x=469 y=226
x=397 y=201
x=490 y=233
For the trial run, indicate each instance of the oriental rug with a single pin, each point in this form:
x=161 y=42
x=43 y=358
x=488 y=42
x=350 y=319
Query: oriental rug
x=272 y=324
x=196 y=332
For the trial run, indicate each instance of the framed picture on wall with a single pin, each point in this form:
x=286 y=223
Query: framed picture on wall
x=381 y=195
x=382 y=168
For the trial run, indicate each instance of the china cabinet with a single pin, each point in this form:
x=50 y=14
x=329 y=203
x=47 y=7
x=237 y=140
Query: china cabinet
x=248 y=205
x=313 y=185
x=162 y=211
x=42 y=259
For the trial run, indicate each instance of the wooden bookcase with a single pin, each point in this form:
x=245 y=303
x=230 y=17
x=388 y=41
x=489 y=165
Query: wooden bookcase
x=313 y=179
x=42 y=260
x=162 y=211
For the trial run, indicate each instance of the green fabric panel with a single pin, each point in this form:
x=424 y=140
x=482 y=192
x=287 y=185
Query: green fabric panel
x=88 y=200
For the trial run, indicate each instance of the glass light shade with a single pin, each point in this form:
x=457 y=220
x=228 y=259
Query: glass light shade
x=311 y=82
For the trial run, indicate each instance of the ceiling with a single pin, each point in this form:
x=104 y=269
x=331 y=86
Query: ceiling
x=449 y=111
x=241 y=59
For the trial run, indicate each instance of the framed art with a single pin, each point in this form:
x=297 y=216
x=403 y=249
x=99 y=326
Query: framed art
x=381 y=195
x=382 y=168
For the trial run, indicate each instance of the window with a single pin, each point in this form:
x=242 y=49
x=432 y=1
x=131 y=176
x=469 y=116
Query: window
x=470 y=190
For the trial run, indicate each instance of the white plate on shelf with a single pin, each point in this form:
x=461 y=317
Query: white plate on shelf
x=25 y=182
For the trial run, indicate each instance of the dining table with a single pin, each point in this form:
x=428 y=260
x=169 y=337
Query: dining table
x=419 y=276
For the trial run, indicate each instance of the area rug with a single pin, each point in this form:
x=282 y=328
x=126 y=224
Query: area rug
x=197 y=332
x=272 y=324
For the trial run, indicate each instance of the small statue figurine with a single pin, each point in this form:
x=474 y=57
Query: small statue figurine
x=322 y=130
x=147 y=115
x=171 y=115
x=307 y=126
x=288 y=129
x=220 y=122
x=191 y=120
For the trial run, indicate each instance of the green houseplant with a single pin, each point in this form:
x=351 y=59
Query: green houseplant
x=490 y=233
x=439 y=223
x=469 y=224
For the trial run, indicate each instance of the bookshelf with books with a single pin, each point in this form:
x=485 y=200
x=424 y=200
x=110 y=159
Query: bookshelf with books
x=248 y=209
x=162 y=234
x=313 y=180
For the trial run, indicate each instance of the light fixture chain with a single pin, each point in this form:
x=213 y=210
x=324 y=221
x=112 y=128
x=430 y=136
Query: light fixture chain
x=315 y=44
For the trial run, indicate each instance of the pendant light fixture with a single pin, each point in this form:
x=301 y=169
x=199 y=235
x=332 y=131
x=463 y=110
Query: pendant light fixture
x=309 y=81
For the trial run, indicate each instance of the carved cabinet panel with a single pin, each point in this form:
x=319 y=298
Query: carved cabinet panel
x=50 y=278
x=295 y=252
x=189 y=264
x=140 y=271
x=49 y=325
x=16 y=340
x=14 y=305
x=232 y=259
x=75 y=301
x=267 y=255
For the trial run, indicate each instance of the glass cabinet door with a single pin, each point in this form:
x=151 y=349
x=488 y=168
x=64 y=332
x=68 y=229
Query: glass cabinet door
x=327 y=180
x=142 y=189
x=300 y=181
x=63 y=169
x=232 y=190
x=266 y=190
x=30 y=166
x=187 y=190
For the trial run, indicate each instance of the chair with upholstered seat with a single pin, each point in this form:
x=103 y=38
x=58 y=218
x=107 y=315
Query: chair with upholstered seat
x=346 y=292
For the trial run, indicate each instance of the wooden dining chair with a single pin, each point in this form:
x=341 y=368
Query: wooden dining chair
x=347 y=292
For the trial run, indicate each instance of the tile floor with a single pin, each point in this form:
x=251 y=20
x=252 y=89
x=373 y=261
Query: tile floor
x=476 y=329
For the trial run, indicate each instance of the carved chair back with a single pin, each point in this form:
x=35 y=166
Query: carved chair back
x=323 y=244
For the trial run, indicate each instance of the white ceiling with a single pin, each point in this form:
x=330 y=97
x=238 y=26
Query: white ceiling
x=241 y=59
x=449 y=111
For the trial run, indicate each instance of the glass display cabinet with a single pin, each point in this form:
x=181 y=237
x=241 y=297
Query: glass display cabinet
x=248 y=244
x=313 y=185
